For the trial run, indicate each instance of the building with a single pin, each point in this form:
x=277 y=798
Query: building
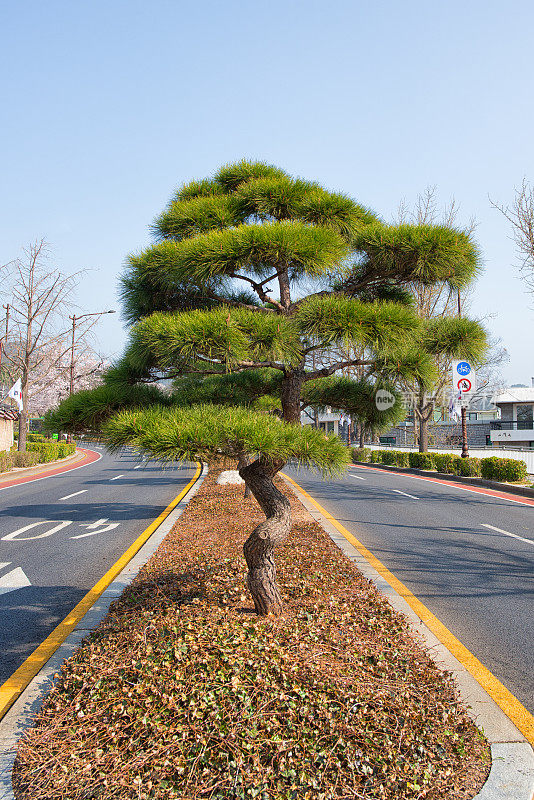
x=8 y=416
x=516 y=425
x=327 y=419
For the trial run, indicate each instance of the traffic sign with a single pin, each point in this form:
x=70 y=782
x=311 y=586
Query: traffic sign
x=460 y=382
x=464 y=385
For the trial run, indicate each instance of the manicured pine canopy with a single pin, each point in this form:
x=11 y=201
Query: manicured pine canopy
x=218 y=304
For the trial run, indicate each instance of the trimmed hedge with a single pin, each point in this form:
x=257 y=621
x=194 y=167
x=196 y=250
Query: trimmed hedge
x=51 y=451
x=31 y=437
x=509 y=470
x=36 y=453
x=15 y=459
x=361 y=454
x=421 y=460
x=468 y=467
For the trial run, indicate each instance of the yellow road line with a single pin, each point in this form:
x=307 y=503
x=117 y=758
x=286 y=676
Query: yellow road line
x=16 y=683
x=522 y=719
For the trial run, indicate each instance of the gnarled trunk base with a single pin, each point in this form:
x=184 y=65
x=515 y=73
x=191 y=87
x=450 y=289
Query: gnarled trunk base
x=259 y=547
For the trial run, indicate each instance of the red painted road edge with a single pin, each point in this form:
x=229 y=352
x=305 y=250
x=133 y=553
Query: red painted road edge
x=478 y=489
x=89 y=457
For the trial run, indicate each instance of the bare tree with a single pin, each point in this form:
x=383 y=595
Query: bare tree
x=521 y=216
x=433 y=301
x=36 y=336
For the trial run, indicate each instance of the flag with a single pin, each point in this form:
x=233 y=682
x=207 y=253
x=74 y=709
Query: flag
x=16 y=393
x=455 y=405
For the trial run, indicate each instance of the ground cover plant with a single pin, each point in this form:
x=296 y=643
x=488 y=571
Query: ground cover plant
x=183 y=692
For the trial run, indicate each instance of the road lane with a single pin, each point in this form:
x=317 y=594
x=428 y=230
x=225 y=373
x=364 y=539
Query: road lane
x=450 y=548
x=63 y=534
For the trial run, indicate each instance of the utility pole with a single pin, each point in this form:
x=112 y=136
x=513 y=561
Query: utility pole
x=2 y=340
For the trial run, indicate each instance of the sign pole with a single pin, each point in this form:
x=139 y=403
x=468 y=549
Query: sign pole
x=465 y=453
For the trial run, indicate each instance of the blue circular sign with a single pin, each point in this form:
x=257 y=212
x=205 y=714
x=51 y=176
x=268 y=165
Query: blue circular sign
x=463 y=368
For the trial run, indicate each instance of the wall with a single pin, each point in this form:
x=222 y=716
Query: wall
x=6 y=434
x=445 y=434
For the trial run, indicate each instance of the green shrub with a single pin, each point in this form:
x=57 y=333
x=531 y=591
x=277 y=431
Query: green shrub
x=421 y=460
x=361 y=454
x=6 y=461
x=509 y=470
x=468 y=467
x=403 y=459
x=388 y=457
x=48 y=451
x=376 y=456
x=25 y=459
x=444 y=462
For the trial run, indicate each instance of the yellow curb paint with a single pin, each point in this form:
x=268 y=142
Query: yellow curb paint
x=16 y=683
x=522 y=719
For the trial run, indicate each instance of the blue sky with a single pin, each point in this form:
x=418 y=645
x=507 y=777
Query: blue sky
x=108 y=106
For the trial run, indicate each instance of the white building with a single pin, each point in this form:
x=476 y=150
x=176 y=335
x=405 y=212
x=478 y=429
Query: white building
x=516 y=425
x=327 y=419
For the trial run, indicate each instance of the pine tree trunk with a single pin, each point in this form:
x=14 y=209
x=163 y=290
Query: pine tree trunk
x=290 y=394
x=423 y=417
x=259 y=547
x=243 y=461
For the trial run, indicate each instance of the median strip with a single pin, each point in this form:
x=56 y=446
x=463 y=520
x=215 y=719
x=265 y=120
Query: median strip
x=184 y=692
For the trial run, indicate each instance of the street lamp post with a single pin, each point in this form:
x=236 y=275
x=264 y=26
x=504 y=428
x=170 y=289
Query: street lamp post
x=75 y=319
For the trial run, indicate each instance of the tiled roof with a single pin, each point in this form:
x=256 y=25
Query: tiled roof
x=8 y=413
x=516 y=394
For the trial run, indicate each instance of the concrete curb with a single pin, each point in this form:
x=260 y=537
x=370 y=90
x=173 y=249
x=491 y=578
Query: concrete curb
x=512 y=770
x=20 y=716
x=507 y=488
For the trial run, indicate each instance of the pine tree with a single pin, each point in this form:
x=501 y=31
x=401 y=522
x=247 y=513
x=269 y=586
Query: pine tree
x=256 y=277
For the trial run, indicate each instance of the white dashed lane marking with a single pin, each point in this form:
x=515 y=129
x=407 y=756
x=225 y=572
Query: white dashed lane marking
x=398 y=491
x=68 y=496
x=507 y=533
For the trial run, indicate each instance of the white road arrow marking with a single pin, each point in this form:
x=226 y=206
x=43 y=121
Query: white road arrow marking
x=91 y=525
x=68 y=496
x=398 y=491
x=109 y=527
x=507 y=533
x=15 y=535
x=16 y=579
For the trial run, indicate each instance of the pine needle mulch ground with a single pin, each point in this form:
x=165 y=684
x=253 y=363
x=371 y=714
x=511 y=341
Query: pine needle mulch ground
x=184 y=693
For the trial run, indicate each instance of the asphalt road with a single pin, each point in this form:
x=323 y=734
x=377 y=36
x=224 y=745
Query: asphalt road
x=442 y=543
x=59 y=535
